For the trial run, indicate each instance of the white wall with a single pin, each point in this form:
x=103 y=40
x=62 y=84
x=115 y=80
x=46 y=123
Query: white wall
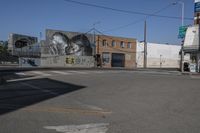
x=158 y=55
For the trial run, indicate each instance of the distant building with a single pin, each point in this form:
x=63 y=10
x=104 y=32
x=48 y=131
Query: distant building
x=158 y=55
x=116 y=51
x=74 y=49
x=191 y=46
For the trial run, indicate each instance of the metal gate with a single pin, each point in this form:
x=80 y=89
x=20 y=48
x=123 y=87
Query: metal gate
x=118 y=60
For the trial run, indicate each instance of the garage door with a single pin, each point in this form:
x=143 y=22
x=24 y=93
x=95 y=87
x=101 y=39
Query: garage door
x=118 y=60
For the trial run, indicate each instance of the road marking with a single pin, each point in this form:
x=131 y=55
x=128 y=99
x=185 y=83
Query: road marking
x=68 y=110
x=23 y=79
x=98 y=72
x=86 y=128
x=195 y=77
x=61 y=72
x=38 y=88
x=40 y=73
x=21 y=74
x=78 y=72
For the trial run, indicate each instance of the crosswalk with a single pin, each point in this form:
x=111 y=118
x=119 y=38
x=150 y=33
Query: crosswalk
x=61 y=73
x=49 y=73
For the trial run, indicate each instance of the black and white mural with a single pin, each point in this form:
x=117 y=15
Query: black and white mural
x=68 y=43
x=17 y=41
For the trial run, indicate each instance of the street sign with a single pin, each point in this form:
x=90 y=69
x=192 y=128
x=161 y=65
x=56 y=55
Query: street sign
x=197 y=7
x=182 y=31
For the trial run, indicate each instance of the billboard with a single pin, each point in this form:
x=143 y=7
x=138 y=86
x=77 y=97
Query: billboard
x=68 y=43
x=197 y=6
x=17 y=42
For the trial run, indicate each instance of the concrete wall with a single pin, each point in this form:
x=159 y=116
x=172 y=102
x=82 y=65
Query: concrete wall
x=68 y=61
x=58 y=61
x=29 y=62
x=159 y=55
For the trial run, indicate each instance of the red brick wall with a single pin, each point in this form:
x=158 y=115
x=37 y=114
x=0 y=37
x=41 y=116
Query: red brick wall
x=130 y=53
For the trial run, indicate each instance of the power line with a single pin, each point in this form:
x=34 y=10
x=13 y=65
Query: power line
x=124 y=11
x=139 y=20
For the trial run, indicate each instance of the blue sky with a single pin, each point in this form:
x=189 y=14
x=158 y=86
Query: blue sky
x=34 y=16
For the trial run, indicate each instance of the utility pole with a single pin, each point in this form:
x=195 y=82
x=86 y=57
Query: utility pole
x=182 y=52
x=145 y=44
x=182 y=24
x=198 y=56
x=94 y=38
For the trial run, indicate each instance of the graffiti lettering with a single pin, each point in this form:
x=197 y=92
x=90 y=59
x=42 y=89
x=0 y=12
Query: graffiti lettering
x=30 y=62
x=79 y=61
x=70 y=60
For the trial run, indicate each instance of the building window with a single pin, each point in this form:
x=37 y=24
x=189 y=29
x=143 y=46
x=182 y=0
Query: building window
x=106 y=57
x=129 y=45
x=104 y=43
x=122 y=45
x=113 y=43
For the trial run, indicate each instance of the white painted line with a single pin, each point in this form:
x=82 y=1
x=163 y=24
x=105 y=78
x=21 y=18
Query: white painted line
x=78 y=72
x=86 y=128
x=61 y=72
x=38 y=88
x=21 y=74
x=40 y=73
x=195 y=77
x=98 y=72
x=23 y=79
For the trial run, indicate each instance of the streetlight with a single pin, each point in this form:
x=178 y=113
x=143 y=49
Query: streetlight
x=182 y=24
x=183 y=10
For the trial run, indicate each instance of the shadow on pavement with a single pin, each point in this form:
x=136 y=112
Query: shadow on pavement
x=16 y=95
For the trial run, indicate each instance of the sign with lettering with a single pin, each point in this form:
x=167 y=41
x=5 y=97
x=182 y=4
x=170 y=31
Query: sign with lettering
x=182 y=31
x=197 y=6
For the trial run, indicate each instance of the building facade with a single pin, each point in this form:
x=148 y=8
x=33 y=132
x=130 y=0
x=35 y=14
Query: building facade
x=159 y=55
x=191 y=45
x=74 y=49
x=115 y=52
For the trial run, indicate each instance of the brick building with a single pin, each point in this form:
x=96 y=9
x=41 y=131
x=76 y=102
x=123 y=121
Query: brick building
x=116 y=51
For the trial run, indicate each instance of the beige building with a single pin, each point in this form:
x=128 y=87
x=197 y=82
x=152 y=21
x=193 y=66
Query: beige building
x=116 y=51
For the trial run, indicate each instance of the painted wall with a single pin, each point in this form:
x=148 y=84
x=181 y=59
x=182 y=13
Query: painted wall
x=18 y=42
x=106 y=50
x=159 y=55
x=67 y=43
x=192 y=39
x=58 y=61
x=67 y=61
x=29 y=62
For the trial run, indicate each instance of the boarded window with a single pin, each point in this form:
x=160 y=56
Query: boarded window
x=106 y=57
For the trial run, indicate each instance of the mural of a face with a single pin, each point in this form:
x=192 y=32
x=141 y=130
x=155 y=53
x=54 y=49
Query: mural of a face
x=78 y=45
x=23 y=42
x=58 y=44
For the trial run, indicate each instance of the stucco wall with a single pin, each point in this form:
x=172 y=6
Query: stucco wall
x=159 y=55
x=58 y=61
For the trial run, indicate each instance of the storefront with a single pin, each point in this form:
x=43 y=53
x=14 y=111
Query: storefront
x=191 y=49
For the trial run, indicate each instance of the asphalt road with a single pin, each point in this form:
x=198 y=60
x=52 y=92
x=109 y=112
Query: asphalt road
x=85 y=101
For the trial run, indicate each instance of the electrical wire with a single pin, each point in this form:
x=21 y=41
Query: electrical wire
x=124 y=11
x=139 y=20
